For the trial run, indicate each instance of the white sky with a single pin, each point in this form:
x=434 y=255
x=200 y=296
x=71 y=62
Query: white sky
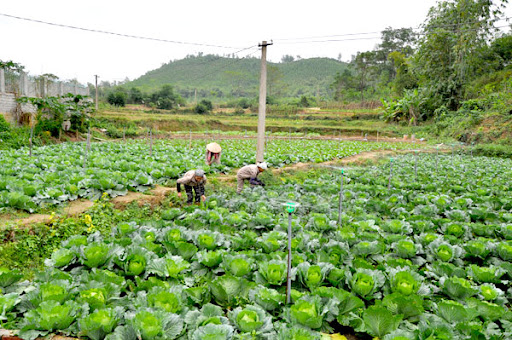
x=237 y=24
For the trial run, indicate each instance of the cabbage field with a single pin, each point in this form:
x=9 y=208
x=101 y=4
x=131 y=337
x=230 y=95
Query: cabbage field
x=65 y=172
x=424 y=251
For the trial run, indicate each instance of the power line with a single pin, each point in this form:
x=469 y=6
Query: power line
x=372 y=38
x=327 y=40
x=315 y=38
x=116 y=34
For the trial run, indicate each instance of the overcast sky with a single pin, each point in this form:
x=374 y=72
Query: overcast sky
x=233 y=26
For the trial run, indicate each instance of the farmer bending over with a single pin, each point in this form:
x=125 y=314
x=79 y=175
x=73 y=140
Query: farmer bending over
x=193 y=179
x=213 y=151
x=251 y=173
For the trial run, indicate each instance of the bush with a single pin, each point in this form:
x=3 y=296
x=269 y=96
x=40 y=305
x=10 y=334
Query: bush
x=304 y=102
x=203 y=107
x=117 y=98
x=493 y=150
x=18 y=137
x=51 y=125
x=244 y=103
x=165 y=98
x=4 y=125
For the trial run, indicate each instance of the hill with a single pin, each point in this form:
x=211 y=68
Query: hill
x=216 y=76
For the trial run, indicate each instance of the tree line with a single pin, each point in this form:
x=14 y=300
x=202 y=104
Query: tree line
x=457 y=56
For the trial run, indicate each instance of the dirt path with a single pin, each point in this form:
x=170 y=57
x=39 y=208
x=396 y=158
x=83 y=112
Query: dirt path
x=76 y=208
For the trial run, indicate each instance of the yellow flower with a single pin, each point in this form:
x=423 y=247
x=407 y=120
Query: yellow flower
x=87 y=219
x=52 y=216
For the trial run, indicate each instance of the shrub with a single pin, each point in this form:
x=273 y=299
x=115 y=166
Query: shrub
x=50 y=125
x=203 y=107
x=4 y=125
x=117 y=98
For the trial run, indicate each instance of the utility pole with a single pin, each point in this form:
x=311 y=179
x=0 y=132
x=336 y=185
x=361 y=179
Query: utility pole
x=96 y=102
x=195 y=96
x=260 y=148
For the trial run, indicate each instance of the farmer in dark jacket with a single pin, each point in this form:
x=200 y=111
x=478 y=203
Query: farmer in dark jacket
x=192 y=180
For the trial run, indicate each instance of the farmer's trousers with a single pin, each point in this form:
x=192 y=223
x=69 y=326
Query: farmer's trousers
x=198 y=190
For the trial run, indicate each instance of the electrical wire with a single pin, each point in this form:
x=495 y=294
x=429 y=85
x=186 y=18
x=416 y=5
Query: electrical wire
x=116 y=34
x=315 y=38
x=312 y=39
x=371 y=38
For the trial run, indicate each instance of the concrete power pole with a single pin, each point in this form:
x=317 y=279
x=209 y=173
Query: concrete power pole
x=260 y=148
x=96 y=81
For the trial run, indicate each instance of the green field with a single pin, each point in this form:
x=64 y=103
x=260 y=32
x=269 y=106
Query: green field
x=420 y=250
x=325 y=122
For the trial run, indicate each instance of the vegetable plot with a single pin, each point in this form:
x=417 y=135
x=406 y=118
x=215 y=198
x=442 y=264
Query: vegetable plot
x=56 y=174
x=428 y=259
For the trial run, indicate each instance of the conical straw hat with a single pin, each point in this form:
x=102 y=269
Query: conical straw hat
x=213 y=147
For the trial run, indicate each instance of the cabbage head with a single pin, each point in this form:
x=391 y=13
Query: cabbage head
x=95 y=297
x=307 y=312
x=98 y=324
x=362 y=284
x=165 y=300
x=405 y=249
x=404 y=283
x=250 y=319
x=237 y=265
x=273 y=272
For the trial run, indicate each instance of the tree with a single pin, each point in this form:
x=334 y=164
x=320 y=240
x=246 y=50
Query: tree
x=364 y=63
x=204 y=106
x=393 y=40
x=287 y=58
x=404 y=78
x=342 y=83
x=401 y=40
x=454 y=47
x=117 y=98
x=136 y=96
x=502 y=47
x=166 y=98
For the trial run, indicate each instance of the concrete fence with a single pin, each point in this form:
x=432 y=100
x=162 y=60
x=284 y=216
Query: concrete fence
x=15 y=85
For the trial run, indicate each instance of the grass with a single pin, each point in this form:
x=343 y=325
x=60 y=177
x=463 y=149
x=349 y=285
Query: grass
x=328 y=122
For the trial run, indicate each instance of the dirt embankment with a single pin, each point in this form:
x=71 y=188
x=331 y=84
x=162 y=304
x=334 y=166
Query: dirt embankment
x=75 y=208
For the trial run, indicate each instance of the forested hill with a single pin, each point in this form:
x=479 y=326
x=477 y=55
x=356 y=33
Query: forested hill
x=216 y=76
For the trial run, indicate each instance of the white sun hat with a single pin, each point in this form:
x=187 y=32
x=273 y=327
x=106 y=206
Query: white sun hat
x=213 y=147
x=262 y=165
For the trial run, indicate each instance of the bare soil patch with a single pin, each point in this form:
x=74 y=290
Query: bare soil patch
x=74 y=208
x=155 y=197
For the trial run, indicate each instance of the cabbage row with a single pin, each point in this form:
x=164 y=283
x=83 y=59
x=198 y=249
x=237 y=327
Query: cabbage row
x=56 y=173
x=430 y=258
